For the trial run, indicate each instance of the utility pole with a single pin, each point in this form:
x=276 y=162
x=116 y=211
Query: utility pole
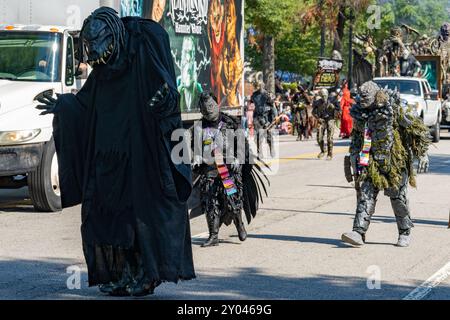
x=351 y=19
x=322 y=29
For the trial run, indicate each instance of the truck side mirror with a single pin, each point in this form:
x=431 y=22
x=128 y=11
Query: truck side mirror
x=432 y=96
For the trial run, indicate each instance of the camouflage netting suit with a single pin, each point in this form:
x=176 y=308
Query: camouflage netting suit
x=397 y=137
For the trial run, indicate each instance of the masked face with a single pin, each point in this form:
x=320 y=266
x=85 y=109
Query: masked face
x=368 y=92
x=209 y=108
x=445 y=31
x=98 y=41
x=323 y=94
x=396 y=33
x=258 y=85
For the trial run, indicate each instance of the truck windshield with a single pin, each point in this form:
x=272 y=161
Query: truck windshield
x=403 y=86
x=30 y=56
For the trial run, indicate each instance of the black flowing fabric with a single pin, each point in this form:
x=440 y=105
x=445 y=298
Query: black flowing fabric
x=362 y=69
x=114 y=159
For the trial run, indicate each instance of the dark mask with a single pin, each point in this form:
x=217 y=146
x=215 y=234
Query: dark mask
x=445 y=31
x=102 y=36
x=209 y=108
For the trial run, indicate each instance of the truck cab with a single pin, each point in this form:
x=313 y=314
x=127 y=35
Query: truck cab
x=34 y=59
x=420 y=97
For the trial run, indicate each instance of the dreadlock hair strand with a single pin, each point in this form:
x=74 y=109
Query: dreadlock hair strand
x=114 y=23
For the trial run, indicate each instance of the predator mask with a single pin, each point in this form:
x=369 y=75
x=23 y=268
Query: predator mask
x=445 y=31
x=209 y=108
x=102 y=36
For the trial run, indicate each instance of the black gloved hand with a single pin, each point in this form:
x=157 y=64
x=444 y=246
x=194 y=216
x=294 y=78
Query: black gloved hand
x=49 y=104
x=159 y=96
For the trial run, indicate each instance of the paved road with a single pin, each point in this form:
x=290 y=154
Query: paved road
x=293 y=250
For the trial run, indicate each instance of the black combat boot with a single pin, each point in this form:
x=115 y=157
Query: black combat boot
x=142 y=286
x=119 y=288
x=213 y=227
x=240 y=227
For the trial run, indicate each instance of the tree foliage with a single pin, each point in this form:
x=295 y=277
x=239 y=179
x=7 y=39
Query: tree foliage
x=271 y=17
x=296 y=26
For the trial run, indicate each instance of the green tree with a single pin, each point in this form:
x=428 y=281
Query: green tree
x=426 y=16
x=296 y=27
x=272 y=19
x=298 y=50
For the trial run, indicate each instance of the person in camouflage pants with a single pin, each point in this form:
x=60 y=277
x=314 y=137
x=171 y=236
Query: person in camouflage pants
x=325 y=111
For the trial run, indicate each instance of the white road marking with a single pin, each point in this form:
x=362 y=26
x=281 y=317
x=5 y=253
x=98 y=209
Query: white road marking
x=425 y=288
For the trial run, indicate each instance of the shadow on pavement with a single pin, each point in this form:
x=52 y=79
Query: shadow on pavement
x=341 y=143
x=33 y=279
x=199 y=242
x=439 y=164
x=253 y=283
x=383 y=219
x=16 y=200
x=330 y=186
x=332 y=242
x=29 y=279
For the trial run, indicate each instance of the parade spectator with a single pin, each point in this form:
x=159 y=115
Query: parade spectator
x=346 y=119
x=278 y=103
x=250 y=109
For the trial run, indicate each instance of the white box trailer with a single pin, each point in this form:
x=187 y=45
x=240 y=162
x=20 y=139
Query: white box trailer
x=37 y=55
x=38 y=39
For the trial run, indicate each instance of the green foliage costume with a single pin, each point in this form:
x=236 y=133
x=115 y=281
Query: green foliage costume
x=390 y=137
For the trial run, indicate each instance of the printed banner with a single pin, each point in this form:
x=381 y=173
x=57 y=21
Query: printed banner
x=327 y=75
x=205 y=38
x=431 y=70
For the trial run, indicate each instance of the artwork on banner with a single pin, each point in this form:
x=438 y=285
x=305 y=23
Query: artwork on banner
x=431 y=70
x=205 y=37
x=327 y=75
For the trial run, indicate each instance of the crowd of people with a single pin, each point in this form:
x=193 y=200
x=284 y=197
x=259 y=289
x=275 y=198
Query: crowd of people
x=302 y=111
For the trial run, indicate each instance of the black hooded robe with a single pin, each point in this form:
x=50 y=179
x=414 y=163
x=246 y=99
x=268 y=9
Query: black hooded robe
x=114 y=159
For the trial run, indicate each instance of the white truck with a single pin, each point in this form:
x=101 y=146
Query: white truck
x=419 y=95
x=32 y=61
x=35 y=58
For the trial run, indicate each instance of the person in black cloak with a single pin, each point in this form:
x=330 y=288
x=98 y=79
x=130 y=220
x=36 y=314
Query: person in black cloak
x=114 y=153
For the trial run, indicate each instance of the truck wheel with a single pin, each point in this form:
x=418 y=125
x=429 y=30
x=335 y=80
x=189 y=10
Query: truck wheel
x=43 y=183
x=436 y=132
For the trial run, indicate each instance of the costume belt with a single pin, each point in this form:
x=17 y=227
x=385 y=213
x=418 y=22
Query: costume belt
x=364 y=155
x=225 y=176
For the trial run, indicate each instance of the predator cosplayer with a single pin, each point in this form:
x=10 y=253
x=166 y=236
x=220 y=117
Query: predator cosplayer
x=385 y=140
x=113 y=140
x=301 y=102
x=263 y=102
x=326 y=110
x=226 y=177
x=396 y=58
